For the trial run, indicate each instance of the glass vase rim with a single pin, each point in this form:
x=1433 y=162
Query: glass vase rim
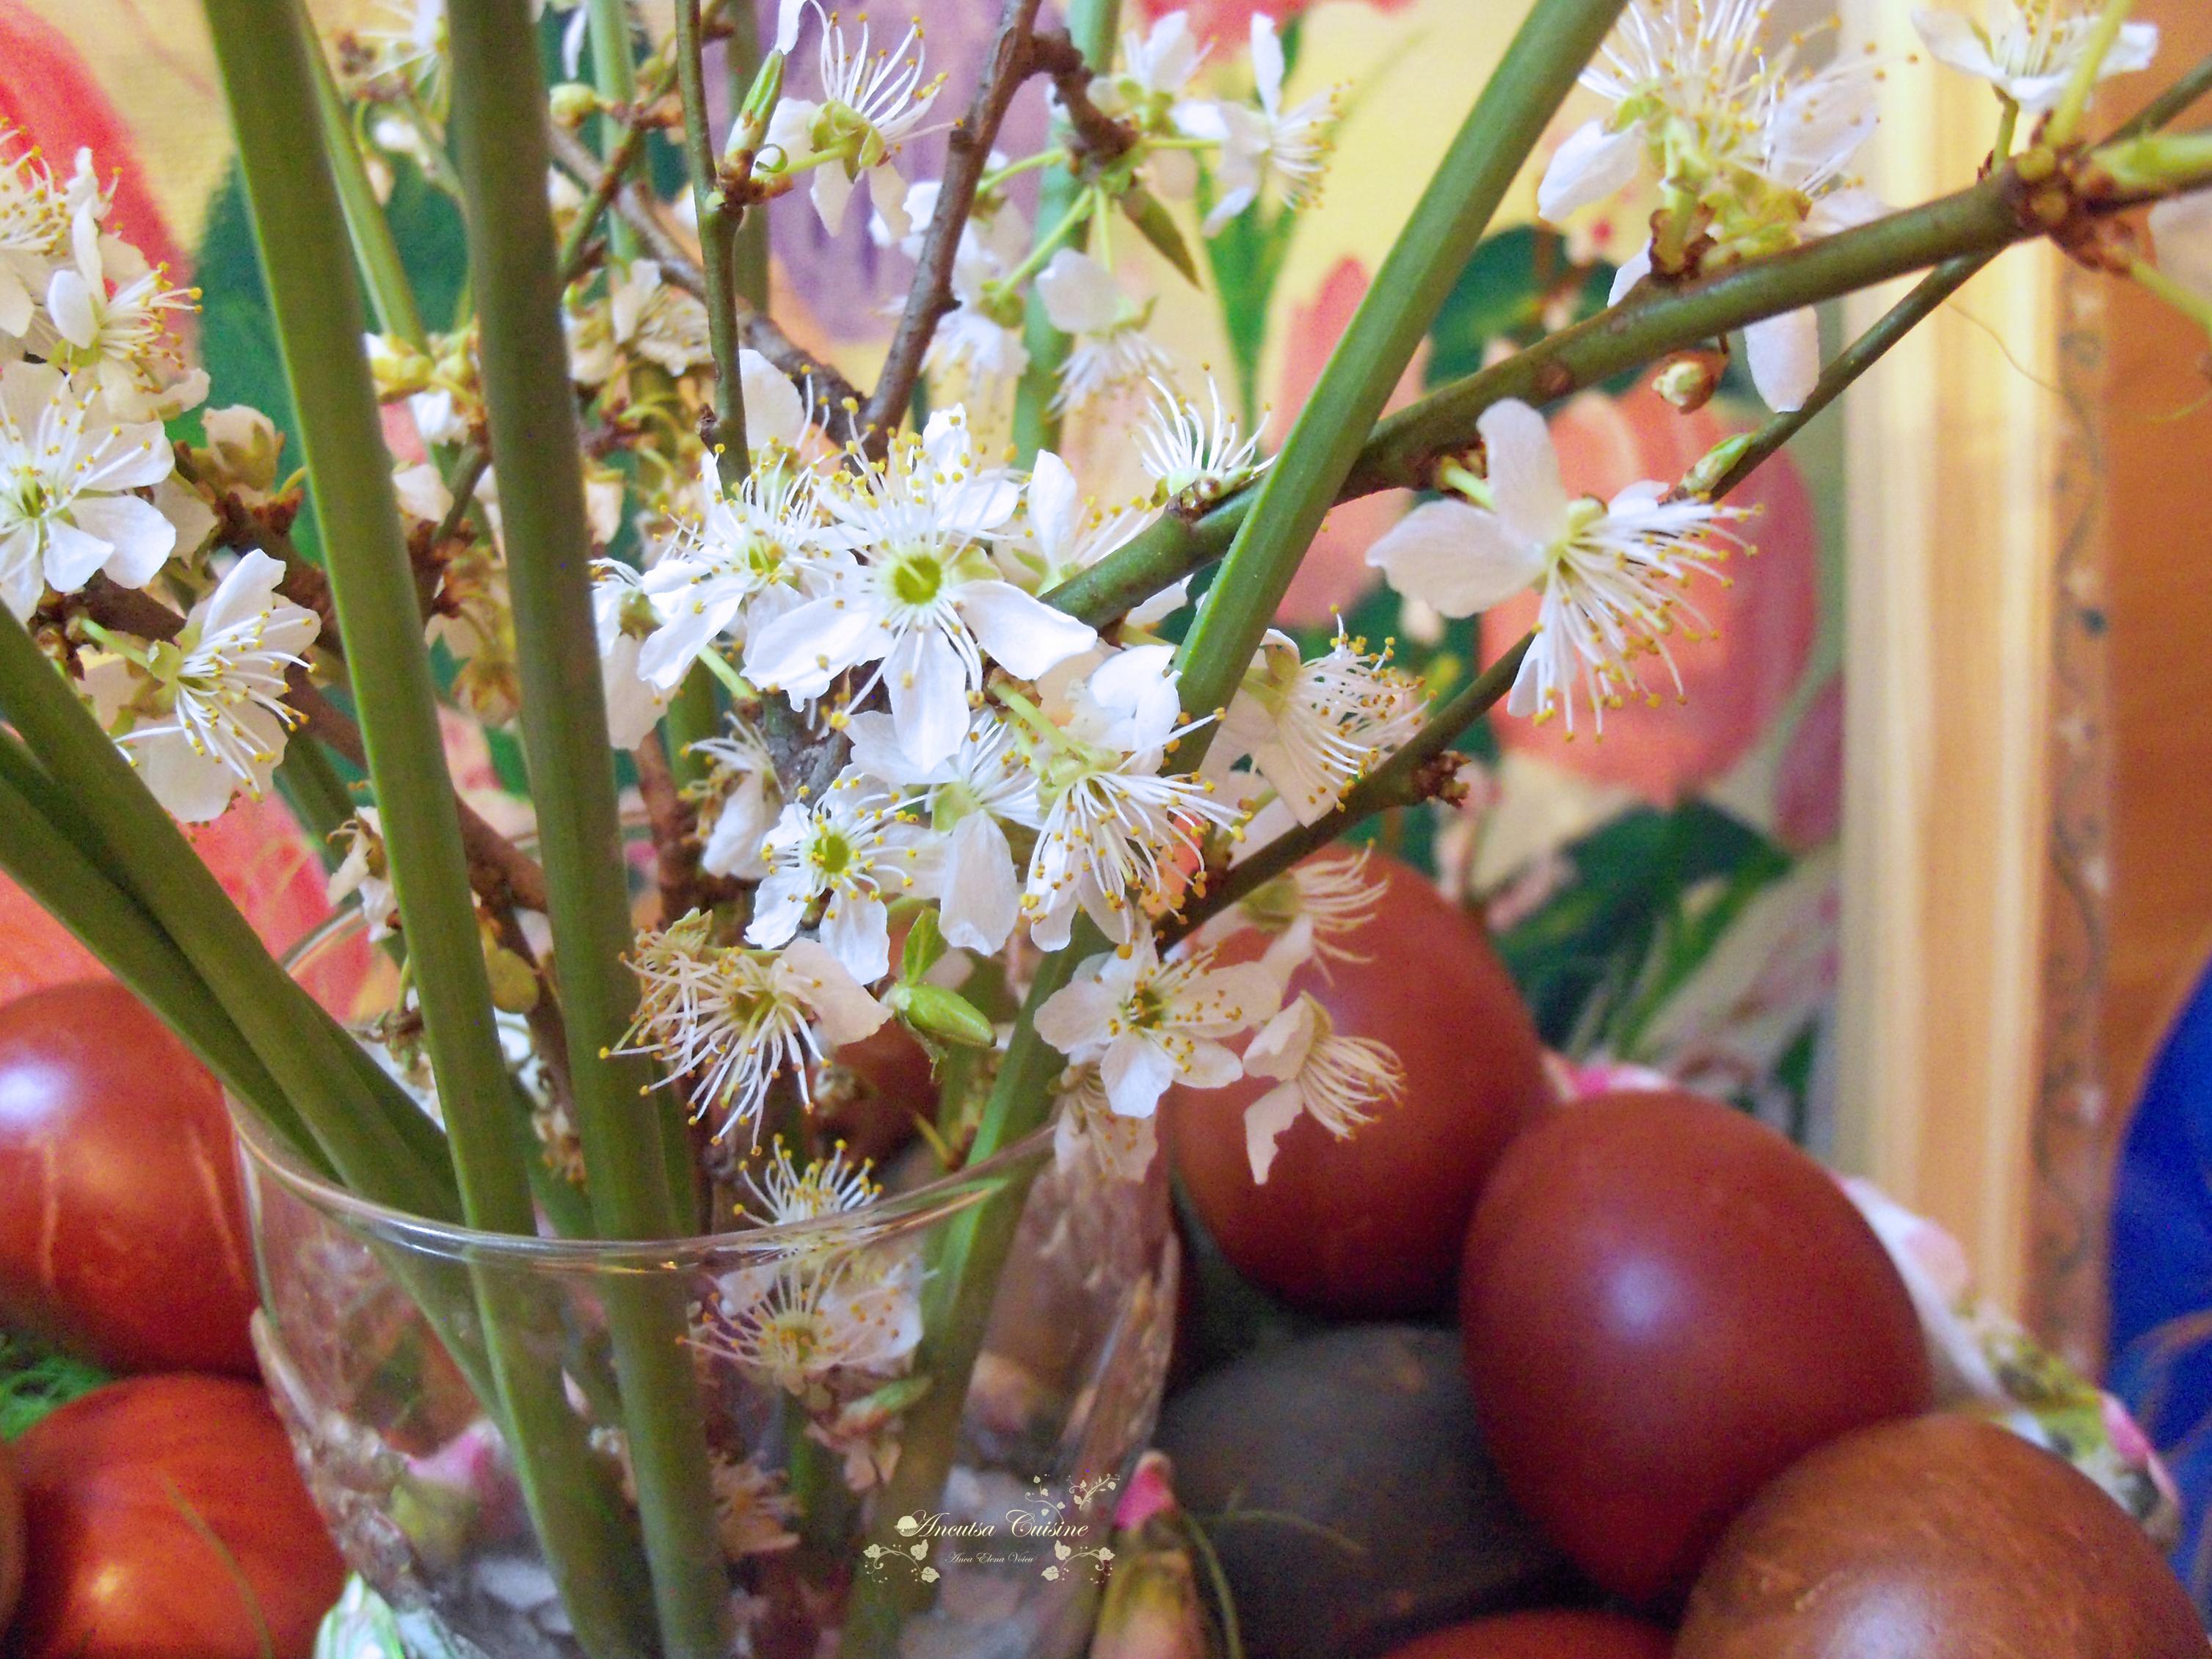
x=938 y=1200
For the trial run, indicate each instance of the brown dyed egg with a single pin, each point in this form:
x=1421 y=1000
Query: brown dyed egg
x=1944 y=1538
x=170 y=1522
x=1665 y=1305
x=1371 y=1226
x=1545 y=1634
x=123 y=1233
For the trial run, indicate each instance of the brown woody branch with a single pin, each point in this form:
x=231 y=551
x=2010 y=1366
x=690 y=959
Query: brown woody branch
x=1013 y=58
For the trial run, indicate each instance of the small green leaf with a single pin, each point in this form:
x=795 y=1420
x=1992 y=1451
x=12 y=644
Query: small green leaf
x=925 y=946
x=1157 y=226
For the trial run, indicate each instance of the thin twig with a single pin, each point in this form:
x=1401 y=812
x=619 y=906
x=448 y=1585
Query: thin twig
x=680 y=265
x=1012 y=60
x=724 y=430
x=676 y=846
x=1094 y=136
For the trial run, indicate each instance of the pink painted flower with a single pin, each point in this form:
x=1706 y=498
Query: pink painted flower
x=1808 y=794
x=1767 y=617
x=1335 y=574
x=1231 y=20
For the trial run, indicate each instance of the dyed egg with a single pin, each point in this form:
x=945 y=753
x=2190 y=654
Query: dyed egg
x=1665 y=1305
x=1545 y=1635
x=1944 y=1538
x=123 y=1236
x=14 y=1540
x=1370 y=1225
x=169 y=1519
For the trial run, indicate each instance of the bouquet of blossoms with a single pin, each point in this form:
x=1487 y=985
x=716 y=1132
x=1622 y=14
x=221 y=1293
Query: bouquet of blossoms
x=931 y=731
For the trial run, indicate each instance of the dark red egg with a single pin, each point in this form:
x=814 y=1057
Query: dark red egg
x=1542 y=1635
x=1942 y=1538
x=123 y=1236
x=169 y=1523
x=1371 y=1226
x=14 y=1540
x=1665 y=1305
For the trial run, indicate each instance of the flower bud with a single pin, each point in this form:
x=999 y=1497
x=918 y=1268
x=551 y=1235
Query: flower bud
x=934 y=1012
x=1688 y=380
x=572 y=104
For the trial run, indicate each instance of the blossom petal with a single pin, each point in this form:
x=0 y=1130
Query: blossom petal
x=139 y=538
x=981 y=898
x=1524 y=472
x=845 y=1009
x=1136 y=1073
x=2181 y=231
x=1593 y=164
x=774 y=411
x=1265 y=1120
x=1076 y=1017
x=1784 y=355
x=1079 y=295
x=1951 y=39
x=928 y=685
x=1280 y=1049
x=810 y=645
x=856 y=931
x=1025 y=635
x=1456 y=558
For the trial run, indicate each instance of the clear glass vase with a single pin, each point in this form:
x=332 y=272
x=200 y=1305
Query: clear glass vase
x=802 y=1343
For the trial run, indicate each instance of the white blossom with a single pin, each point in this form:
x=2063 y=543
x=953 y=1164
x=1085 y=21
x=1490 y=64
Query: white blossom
x=1148 y=1024
x=1109 y=349
x=752 y=1511
x=922 y=598
x=625 y=618
x=1089 y=1135
x=728 y=1022
x=845 y=853
x=643 y=315
x=786 y=1194
x=1336 y=1080
x=2028 y=53
x=107 y=319
x=873 y=99
x=1197 y=458
x=745 y=803
x=203 y=716
x=34 y=233
x=364 y=872
x=1313 y=729
x=803 y=1325
x=1064 y=533
x=1118 y=838
x=1609 y=574
x=967 y=798
x=752 y=558
x=67 y=469
x=1267 y=148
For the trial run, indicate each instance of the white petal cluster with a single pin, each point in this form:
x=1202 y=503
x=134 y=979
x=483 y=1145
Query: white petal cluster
x=1610 y=574
x=2028 y=51
x=1737 y=137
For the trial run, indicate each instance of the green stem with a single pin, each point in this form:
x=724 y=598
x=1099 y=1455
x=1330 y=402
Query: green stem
x=748 y=256
x=2172 y=104
x=692 y=716
x=499 y=128
x=614 y=74
x=1090 y=25
x=1538 y=70
x=718 y=226
x=268 y=81
x=369 y=231
x=2074 y=102
x=1079 y=213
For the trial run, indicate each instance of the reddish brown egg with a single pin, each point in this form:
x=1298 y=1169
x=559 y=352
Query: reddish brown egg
x=14 y=1540
x=1665 y=1305
x=123 y=1236
x=1542 y=1635
x=170 y=1523
x=1370 y=1225
x=1944 y=1538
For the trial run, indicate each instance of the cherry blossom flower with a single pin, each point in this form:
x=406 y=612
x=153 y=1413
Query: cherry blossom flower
x=744 y=802
x=873 y=99
x=642 y=316
x=729 y=1021
x=752 y=1511
x=34 y=233
x=1336 y=1080
x=1269 y=148
x=1148 y=1024
x=801 y=1325
x=203 y=716
x=922 y=600
x=625 y=618
x=980 y=337
x=1110 y=348
x=1313 y=729
x=1088 y=1134
x=1156 y=67
x=786 y=1193
x=2029 y=51
x=844 y=852
x=985 y=783
x=1608 y=574
x=364 y=873
x=1116 y=836
x=66 y=470
x=106 y=319
x=1197 y=459
x=1064 y=533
